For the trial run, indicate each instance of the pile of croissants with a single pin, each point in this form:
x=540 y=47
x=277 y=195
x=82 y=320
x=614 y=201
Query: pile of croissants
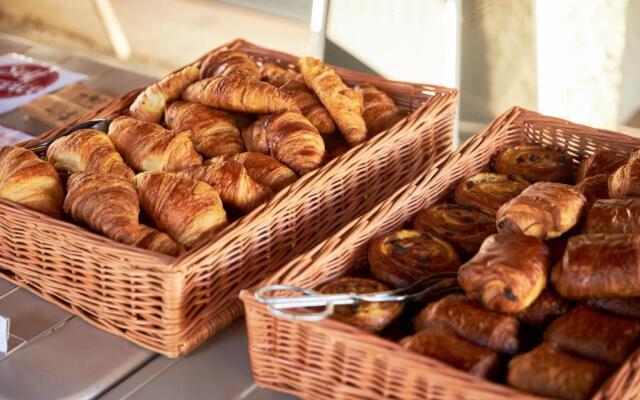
x=547 y=258
x=230 y=132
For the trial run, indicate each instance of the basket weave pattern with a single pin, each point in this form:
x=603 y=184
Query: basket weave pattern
x=329 y=359
x=170 y=305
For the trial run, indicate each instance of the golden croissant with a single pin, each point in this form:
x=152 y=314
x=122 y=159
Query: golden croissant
x=213 y=132
x=87 y=150
x=150 y=147
x=343 y=103
x=229 y=62
x=276 y=75
x=380 y=112
x=266 y=170
x=149 y=105
x=27 y=180
x=255 y=136
x=190 y=211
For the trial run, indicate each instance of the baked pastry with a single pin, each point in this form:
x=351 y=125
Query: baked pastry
x=149 y=105
x=379 y=112
x=189 y=211
x=614 y=216
x=213 y=132
x=276 y=75
x=535 y=163
x=231 y=180
x=544 y=210
x=625 y=181
x=600 y=162
x=599 y=266
x=108 y=204
x=508 y=273
x=228 y=62
x=27 y=180
x=266 y=170
x=471 y=321
x=370 y=316
x=87 y=150
x=342 y=102
x=447 y=347
x=550 y=372
x=255 y=136
x=628 y=308
x=403 y=257
x=335 y=145
x=237 y=92
x=150 y=147
x=594 y=188
x=594 y=335
x=488 y=191
x=547 y=307
x=465 y=227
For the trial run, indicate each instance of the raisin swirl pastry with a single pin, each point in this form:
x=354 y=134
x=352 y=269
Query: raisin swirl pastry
x=535 y=163
x=404 y=257
x=370 y=316
x=488 y=191
x=465 y=227
x=600 y=162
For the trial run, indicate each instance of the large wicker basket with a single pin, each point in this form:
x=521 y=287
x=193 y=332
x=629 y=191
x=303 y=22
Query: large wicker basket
x=171 y=305
x=332 y=360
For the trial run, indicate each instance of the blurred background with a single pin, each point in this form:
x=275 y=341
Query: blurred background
x=577 y=59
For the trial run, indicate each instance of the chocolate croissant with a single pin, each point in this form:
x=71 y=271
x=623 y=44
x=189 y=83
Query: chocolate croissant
x=544 y=210
x=508 y=273
x=599 y=266
x=601 y=162
x=342 y=102
x=149 y=105
x=237 y=92
x=380 y=112
x=370 y=316
x=625 y=181
x=550 y=372
x=189 y=211
x=213 y=132
x=231 y=180
x=614 y=216
x=404 y=257
x=628 y=308
x=535 y=164
x=27 y=180
x=229 y=62
x=594 y=335
x=547 y=307
x=488 y=192
x=471 y=321
x=465 y=227
x=447 y=347
x=150 y=147
x=594 y=188
x=266 y=170
x=87 y=150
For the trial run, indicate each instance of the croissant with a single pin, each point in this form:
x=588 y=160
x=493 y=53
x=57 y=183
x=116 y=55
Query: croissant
x=87 y=150
x=488 y=192
x=189 y=211
x=342 y=102
x=149 y=147
x=239 y=93
x=149 y=105
x=535 y=164
x=380 y=112
x=601 y=162
x=507 y=274
x=628 y=308
x=266 y=170
x=593 y=188
x=255 y=136
x=404 y=257
x=625 y=181
x=370 y=316
x=231 y=180
x=614 y=216
x=544 y=210
x=276 y=75
x=154 y=240
x=213 y=132
x=548 y=306
x=550 y=372
x=27 y=180
x=229 y=62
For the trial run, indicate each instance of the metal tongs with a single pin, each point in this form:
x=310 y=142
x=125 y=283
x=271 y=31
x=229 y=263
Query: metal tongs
x=100 y=124
x=429 y=288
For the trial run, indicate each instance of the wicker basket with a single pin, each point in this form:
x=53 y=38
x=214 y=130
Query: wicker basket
x=170 y=305
x=332 y=360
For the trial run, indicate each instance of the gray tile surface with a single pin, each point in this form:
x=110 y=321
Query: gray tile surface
x=5 y=286
x=30 y=316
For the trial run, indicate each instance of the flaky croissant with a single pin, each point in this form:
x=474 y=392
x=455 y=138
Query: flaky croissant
x=379 y=112
x=149 y=147
x=149 y=105
x=266 y=170
x=213 y=132
x=255 y=136
x=189 y=211
x=276 y=75
x=625 y=181
x=231 y=180
x=342 y=102
x=601 y=162
x=229 y=62
x=87 y=150
x=27 y=180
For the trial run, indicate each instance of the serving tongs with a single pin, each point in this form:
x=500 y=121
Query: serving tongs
x=100 y=124
x=429 y=288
